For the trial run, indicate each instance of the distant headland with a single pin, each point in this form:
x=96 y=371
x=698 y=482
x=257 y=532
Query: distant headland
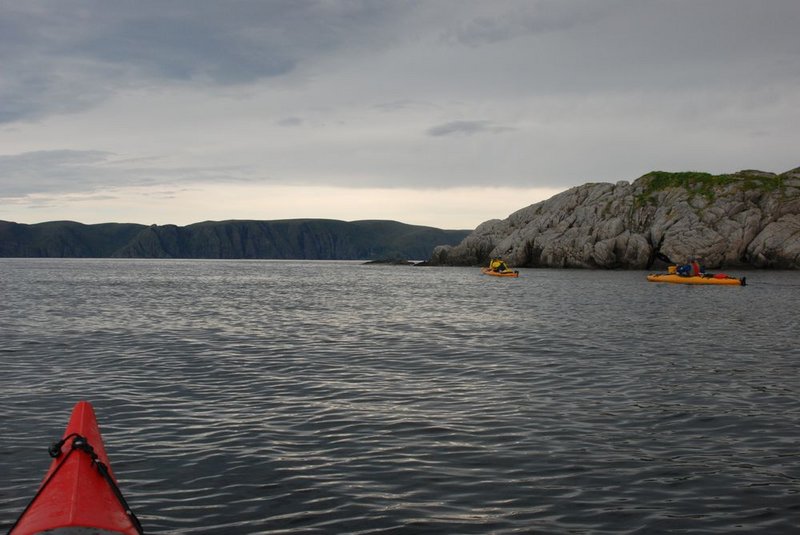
x=308 y=239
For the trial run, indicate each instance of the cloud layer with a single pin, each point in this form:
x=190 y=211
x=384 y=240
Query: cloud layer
x=96 y=97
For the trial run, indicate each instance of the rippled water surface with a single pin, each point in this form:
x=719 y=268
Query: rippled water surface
x=333 y=397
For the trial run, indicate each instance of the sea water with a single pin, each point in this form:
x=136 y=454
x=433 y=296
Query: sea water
x=335 y=397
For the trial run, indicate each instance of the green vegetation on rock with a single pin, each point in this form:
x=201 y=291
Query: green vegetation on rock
x=706 y=184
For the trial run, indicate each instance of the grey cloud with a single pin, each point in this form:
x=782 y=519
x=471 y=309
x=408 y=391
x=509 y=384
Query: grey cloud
x=186 y=49
x=576 y=76
x=582 y=47
x=28 y=92
x=70 y=171
x=290 y=121
x=48 y=171
x=466 y=128
x=525 y=17
x=68 y=55
x=403 y=105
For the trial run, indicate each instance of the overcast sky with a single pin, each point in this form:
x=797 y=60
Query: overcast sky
x=438 y=112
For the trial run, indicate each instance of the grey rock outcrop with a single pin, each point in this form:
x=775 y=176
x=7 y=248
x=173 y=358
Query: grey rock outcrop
x=747 y=219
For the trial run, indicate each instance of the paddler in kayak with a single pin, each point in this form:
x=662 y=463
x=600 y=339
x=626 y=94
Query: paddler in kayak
x=697 y=270
x=498 y=268
x=498 y=265
x=691 y=268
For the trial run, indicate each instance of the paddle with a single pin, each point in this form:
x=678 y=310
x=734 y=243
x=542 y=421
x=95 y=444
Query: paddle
x=664 y=258
x=659 y=255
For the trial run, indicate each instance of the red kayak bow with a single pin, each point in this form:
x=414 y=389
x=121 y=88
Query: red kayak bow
x=79 y=493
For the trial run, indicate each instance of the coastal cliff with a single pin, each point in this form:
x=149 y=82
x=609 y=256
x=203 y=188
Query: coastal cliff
x=745 y=219
x=306 y=239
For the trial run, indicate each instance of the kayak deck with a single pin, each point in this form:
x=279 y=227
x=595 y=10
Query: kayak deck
x=79 y=494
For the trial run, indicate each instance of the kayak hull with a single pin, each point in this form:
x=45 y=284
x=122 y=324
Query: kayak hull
x=487 y=271
x=74 y=496
x=678 y=279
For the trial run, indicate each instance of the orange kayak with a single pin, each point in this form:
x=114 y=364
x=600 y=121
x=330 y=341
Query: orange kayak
x=79 y=493
x=720 y=279
x=487 y=271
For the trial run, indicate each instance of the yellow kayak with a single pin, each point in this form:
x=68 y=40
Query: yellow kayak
x=508 y=273
x=720 y=279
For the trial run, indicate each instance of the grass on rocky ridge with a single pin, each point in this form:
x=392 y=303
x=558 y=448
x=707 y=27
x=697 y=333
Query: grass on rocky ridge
x=706 y=184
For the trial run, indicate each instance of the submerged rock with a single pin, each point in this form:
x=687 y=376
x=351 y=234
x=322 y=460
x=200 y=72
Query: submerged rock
x=390 y=262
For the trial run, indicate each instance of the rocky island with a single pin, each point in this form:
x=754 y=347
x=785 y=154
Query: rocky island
x=744 y=219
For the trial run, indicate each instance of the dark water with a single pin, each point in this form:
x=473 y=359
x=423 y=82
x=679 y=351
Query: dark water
x=283 y=397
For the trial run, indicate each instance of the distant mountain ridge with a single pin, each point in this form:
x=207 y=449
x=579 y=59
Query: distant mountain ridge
x=308 y=239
